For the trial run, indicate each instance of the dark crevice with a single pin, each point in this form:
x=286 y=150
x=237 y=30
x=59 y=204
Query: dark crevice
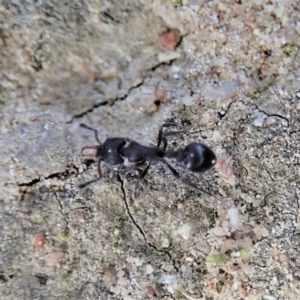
x=225 y=111
x=71 y=169
x=64 y=215
x=42 y=278
x=3 y=278
x=294 y=132
x=139 y=228
x=80 y=115
x=109 y=102
x=108 y=18
x=30 y=183
x=273 y=115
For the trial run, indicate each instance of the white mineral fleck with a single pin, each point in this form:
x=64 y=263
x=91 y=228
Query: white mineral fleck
x=168 y=56
x=168 y=279
x=234 y=219
x=259 y=121
x=165 y=243
x=170 y=290
x=269 y=297
x=228 y=87
x=149 y=269
x=187 y=100
x=184 y=231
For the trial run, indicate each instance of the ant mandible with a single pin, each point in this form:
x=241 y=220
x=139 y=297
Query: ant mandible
x=120 y=152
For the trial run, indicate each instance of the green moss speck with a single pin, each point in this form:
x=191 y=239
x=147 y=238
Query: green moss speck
x=64 y=233
x=288 y=49
x=179 y=108
x=177 y=2
x=65 y=276
x=218 y=258
x=177 y=294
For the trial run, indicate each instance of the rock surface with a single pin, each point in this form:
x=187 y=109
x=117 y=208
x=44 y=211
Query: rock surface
x=227 y=72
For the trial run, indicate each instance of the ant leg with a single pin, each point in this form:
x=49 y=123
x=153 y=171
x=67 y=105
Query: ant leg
x=165 y=144
x=92 y=129
x=83 y=185
x=162 y=135
x=184 y=181
x=98 y=167
x=160 y=131
x=174 y=132
x=140 y=179
x=89 y=147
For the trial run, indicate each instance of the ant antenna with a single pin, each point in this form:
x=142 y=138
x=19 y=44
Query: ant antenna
x=92 y=129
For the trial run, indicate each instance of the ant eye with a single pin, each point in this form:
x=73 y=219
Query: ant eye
x=199 y=157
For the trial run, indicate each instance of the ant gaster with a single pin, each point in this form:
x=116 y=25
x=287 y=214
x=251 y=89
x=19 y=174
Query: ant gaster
x=120 y=152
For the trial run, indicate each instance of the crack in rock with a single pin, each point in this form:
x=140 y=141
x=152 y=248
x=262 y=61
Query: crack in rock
x=66 y=173
x=139 y=228
x=109 y=102
x=273 y=115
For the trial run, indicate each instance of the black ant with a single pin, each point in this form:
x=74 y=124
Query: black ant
x=120 y=152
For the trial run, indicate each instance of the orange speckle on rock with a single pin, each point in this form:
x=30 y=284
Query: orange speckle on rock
x=32 y=118
x=150 y=291
x=109 y=274
x=169 y=40
x=160 y=93
x=38 y=241
x=123 y=281
x=283 y=258
x=17 y=138
x=224 y=165
x=209 y=282
x=109 y=73
x=228 y=245
x=54 y=259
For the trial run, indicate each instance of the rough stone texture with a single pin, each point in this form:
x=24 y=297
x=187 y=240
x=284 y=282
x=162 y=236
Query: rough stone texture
x=230 y=79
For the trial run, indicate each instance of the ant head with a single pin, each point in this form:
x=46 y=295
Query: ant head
x=198 y=157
